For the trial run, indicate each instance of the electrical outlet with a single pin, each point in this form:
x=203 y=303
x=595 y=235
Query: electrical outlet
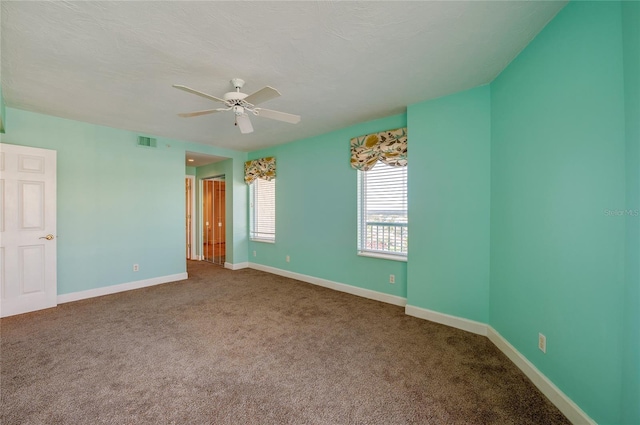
x=288 y=259
x=392 y=278
x=136 y=268
x=254 y=253
x=542 y=343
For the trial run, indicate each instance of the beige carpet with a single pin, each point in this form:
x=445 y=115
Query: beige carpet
x=247 y=347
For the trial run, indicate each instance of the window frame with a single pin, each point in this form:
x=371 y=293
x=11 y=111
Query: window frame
x=362 y=223
x=254 y=216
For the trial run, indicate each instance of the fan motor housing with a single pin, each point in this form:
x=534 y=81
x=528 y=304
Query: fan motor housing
x=236 y=101
x=234 y=95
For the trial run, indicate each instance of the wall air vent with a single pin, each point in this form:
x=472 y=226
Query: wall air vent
x=147 y=142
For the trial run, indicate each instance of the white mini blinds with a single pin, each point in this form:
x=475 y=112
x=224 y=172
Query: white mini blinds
x=260 y=175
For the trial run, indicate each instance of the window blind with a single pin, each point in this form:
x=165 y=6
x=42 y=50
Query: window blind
x=263 y=209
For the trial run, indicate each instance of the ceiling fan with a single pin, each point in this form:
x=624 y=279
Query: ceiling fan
x=241 y=104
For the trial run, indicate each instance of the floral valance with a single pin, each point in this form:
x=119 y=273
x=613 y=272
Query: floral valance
x=388 y=146
x=263 y=168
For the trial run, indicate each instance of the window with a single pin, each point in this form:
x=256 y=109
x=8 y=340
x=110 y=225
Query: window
x=263 y=210
x=382 y=212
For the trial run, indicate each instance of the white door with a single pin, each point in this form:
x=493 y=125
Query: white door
x=27 y=229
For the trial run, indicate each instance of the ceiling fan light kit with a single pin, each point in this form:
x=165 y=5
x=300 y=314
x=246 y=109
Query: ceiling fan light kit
x=241 y=103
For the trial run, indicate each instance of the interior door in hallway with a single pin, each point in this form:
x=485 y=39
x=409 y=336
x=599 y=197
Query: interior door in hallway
x=27 y=229
x=214 y=220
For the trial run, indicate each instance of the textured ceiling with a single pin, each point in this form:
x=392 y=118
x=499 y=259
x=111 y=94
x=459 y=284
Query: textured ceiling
x=335 y=63
x=195 y=159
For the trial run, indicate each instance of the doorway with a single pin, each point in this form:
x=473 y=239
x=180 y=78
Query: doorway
x=214 y=220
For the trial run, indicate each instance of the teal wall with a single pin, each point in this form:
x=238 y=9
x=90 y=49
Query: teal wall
x=236 y=187
x=449 y=202
x=118 y=204
x=557 y=167
x=631 y=336
x=316 y=213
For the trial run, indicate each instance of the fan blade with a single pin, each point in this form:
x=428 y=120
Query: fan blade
x=262 y=95
x=198 y=113
x=199 y=93
x=244 y=124
x=277 y=115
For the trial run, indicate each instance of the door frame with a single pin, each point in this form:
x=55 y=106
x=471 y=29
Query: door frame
x=194 y=235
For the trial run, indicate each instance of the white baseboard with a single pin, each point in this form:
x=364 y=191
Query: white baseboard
x=446 y=319
x=568 y=408
x=236 y=266
x=107 y=290
x=349 y=289
x=571 y=410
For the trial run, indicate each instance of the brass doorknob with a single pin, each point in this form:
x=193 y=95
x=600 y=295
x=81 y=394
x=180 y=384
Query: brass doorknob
x=48 y=237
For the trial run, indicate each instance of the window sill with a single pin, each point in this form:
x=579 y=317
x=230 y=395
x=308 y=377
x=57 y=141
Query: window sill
x=263 y=240
x=383 y=256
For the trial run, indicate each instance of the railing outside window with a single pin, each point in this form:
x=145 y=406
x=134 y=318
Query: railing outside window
x=386 y=237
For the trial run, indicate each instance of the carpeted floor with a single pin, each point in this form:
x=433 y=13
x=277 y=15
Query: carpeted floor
x=247 y=347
